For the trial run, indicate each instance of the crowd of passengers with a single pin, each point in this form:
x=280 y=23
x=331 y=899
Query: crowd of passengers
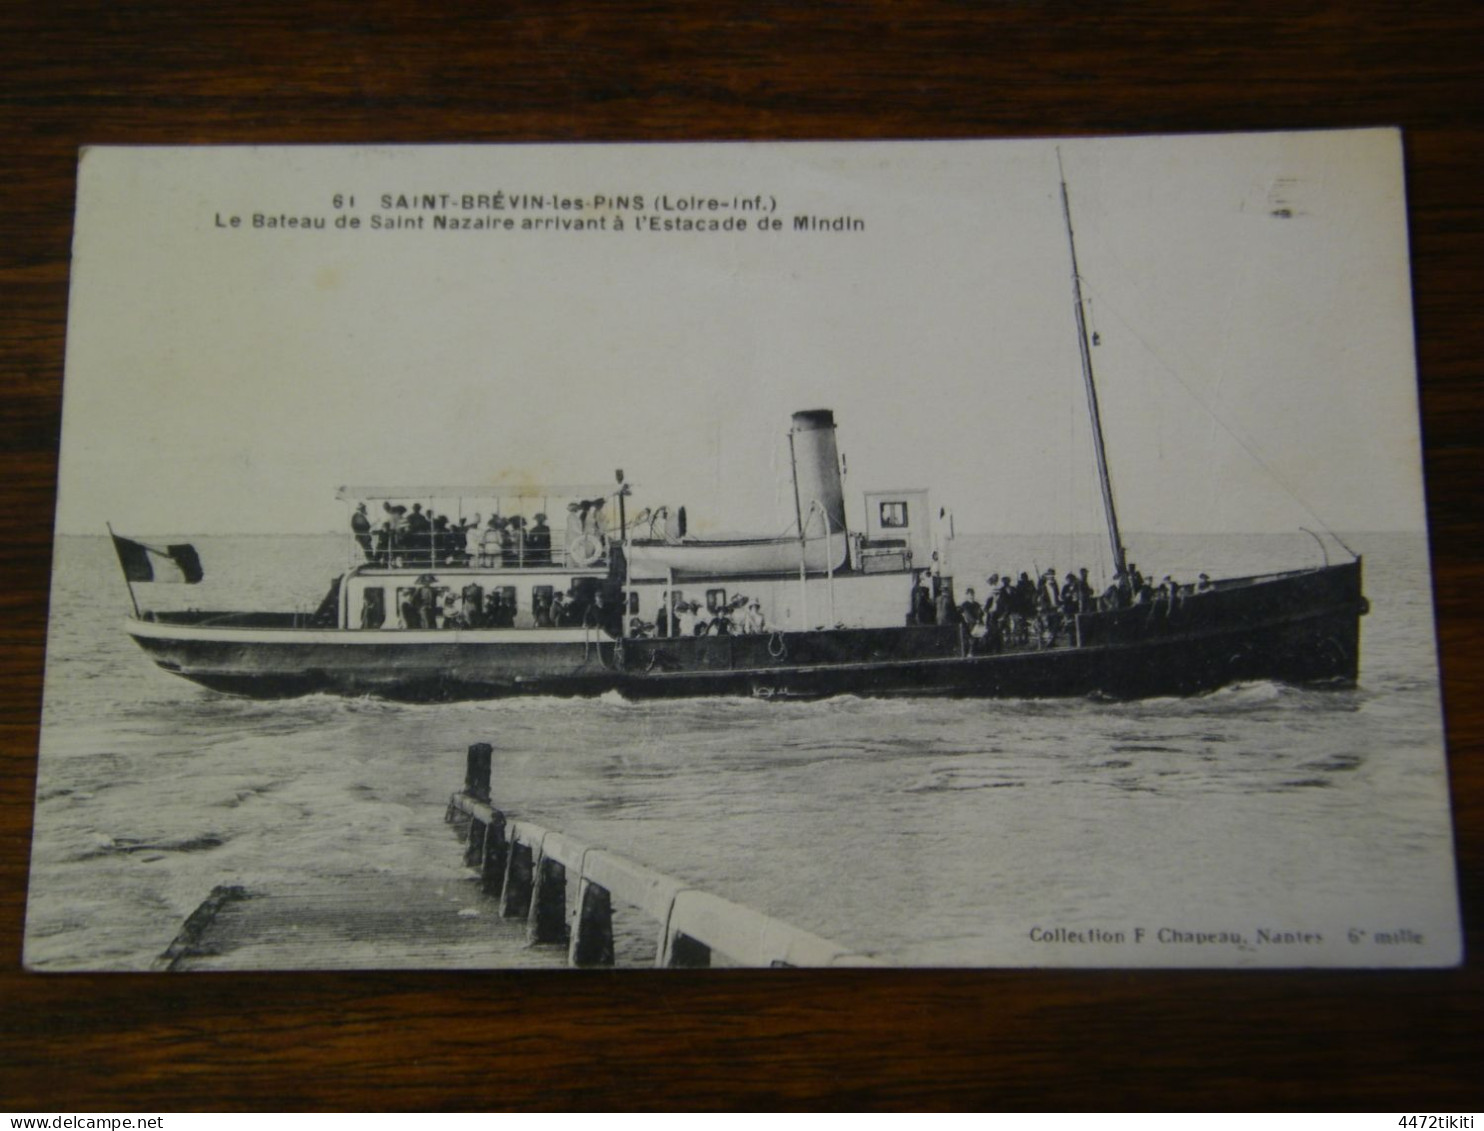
x=419 y=537
x=738 y=617
x=428 y=605
x=1021 y=610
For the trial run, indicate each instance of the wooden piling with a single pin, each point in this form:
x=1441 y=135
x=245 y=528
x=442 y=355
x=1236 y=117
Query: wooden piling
x=547 y=922
x=477 y=771
x=687 y=953
x=526 y=867
x=496 y=851
x=474 y=847
x=592 y=941
x=515 y=896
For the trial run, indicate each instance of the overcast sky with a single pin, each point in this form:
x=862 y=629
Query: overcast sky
x=1249 y=295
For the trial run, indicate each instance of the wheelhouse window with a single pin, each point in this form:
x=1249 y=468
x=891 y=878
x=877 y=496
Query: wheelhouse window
x=716 y=600
x=893 y=516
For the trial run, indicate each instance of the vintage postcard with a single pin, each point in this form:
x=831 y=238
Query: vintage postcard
x=913 y=553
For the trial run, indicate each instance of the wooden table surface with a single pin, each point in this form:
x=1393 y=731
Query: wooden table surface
x=166 y=71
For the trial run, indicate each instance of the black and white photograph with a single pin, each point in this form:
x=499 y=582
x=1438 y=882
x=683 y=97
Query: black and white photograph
x=917 y=554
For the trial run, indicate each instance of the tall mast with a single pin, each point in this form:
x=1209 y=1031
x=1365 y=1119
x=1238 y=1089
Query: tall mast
x=1092 y=391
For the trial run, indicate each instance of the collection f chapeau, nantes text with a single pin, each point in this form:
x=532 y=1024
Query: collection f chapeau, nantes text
x=1179 y=936
x=553 y=212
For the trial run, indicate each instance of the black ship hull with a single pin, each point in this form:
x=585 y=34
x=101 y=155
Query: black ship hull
x=1300 y=628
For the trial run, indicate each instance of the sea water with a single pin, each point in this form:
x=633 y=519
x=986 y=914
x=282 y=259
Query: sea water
x=1258 y=825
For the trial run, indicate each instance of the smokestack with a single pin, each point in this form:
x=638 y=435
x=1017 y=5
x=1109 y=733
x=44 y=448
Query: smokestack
x=817 y=466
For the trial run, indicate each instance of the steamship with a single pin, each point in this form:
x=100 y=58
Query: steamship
x=644 y=608
x=824 y=610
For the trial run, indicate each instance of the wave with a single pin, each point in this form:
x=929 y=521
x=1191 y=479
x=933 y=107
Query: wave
x=124 y=846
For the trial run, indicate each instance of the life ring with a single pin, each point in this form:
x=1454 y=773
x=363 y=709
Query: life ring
x=782 y=646
x=585 y=550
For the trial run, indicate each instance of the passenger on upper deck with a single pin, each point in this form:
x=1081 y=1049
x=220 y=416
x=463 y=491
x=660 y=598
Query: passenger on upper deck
x=360 y=526
x=460 y=548
x=389 y=538
x=492 y=542
x=438 y=539
x=538 y=542
x=418 y=537
x=589 y=514
x=513 y=541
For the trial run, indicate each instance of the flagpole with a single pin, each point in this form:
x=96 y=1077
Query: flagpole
x=128 y=584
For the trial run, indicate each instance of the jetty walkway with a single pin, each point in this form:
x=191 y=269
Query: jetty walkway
x=567 y=892
x=536 y=898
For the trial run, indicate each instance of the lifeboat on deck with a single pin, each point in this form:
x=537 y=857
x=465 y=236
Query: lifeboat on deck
x=659 y=557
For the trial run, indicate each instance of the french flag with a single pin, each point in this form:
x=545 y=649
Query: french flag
x=179 y=563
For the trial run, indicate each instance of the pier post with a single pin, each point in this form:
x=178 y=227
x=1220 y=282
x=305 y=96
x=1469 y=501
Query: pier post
x=474 y=849
x=496 y=852
x=477 y=771
x=592 y=941
x=684 y=952
x=526 y=866
x=547 y=922
x=515 y=896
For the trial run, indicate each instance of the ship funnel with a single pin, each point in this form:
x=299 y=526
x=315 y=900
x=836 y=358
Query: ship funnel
x=817 y=467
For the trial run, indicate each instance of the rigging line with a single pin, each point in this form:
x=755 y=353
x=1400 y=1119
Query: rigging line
x=1246 y=445
x=1084 y=348
x=1073 y=499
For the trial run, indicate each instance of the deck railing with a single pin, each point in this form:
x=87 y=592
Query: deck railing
x=424 y=551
